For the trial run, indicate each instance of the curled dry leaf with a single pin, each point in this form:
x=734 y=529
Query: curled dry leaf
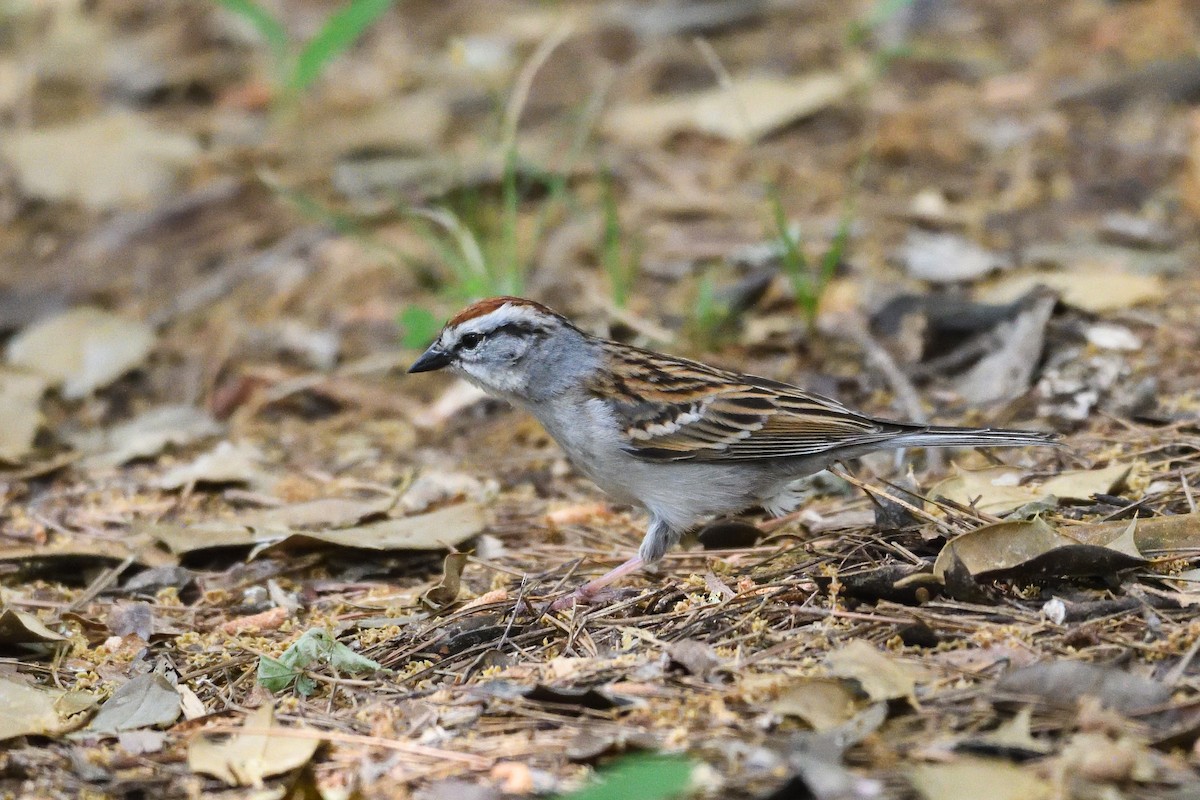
x=20 y=627
x=446 y=590
x=81 y=350
x=261 y=750
x=1028 y=548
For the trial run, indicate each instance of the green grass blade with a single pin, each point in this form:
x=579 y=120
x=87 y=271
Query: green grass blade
x=340 y=31
x=268 y=26
x=652 y=777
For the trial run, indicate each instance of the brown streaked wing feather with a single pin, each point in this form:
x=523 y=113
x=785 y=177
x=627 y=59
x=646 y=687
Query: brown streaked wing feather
x=679 y=410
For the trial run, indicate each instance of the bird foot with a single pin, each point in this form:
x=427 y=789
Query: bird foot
x=596 y=591
x=580 y=596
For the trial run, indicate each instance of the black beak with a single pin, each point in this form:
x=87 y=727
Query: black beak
x=431 y=359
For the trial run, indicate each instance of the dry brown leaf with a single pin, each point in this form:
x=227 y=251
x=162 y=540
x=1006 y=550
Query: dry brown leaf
x=19 y=627
x=881 y=676
x=226 y=463
x=998 y=490
x=1061 y=684
x=1094 y=288
x=748 y=110
x=81 y=350
x=822 y=703
x=326 y=512
x=967 y=777
x=147 y=435
x=102 y=163
x=446 y=590
x=1030 y=548
x=145 y=701
x=255 y=753
x=30 y=710
x=20 y=397
x=436 y=530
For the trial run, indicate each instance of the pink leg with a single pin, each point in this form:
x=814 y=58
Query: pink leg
x=586 y=593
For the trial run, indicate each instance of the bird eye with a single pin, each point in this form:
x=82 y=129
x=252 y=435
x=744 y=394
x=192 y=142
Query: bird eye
x=470 y=341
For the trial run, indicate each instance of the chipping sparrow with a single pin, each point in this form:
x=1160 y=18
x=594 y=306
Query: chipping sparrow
x=683 y=440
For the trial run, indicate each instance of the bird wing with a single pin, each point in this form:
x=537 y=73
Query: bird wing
x=677 y=410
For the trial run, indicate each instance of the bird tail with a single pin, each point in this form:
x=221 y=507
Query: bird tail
x=946 y=436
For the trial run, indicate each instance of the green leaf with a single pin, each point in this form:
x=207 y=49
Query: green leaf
x=339 y=33
x=643 y=777
x=267 y=26
x=420 y=326
x=316 y=645
x=274 y=675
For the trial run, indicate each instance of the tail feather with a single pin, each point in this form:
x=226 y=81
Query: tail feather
x=945 y=436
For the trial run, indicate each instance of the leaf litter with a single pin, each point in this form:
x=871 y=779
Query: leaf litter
x=201 y=490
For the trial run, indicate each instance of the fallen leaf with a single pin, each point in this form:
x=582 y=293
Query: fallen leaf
x=748 y=110
x=137 y=743
x=436 y=530
x=593 y=698
x=998 y=490
x=190 y=703
x=140 y=548
x=20 y=627
x=1028 y=548
x=446 y=590
x=696 y=657
x=1007 y=372
x=227 y=463
x=147 y=435
x=1012 y=740
x=406 y=123
x=145 y=701
x=314 y=646
x=1060 y=684
x=81 y=350
x=257 y=752
x=646 y=777
x=326 y=512
x=20 y=397
x=822 y=703
x=1094 y=288
x=105 y=162
x=881 y=676
x=32 y=711
x=943 y=258
x=132 y=618
x=967 y=777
